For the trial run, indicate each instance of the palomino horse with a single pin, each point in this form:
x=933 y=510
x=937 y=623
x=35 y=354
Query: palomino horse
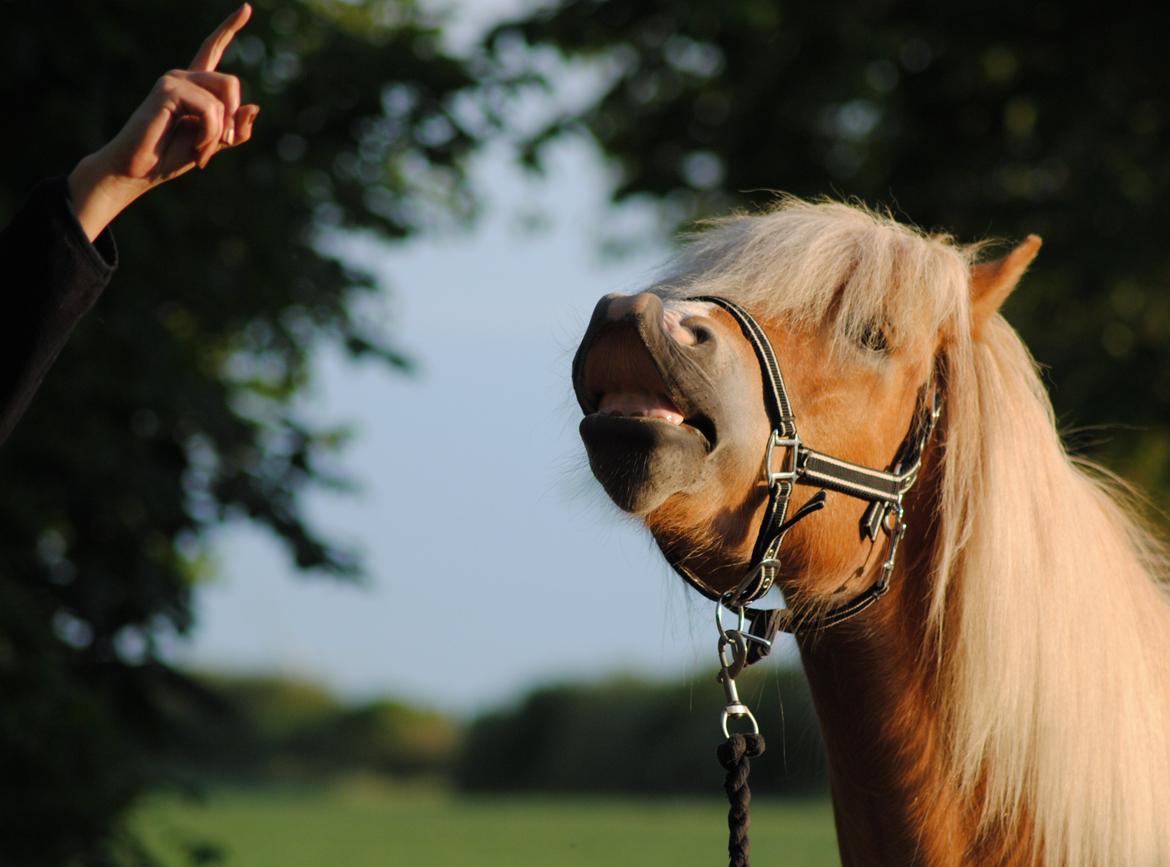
x=1008 y=700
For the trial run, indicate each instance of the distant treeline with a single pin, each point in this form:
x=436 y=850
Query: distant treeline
x=270 y=728
x=631 y=736
x=617 y=736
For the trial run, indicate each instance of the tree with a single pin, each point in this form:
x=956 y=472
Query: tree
x=989 y=121
x=630 y=736
x=172 y=410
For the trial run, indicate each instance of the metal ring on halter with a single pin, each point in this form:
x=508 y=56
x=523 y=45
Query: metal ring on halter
x=893 y=511
x=741 y=613
x=741 y=626
x=738 y=711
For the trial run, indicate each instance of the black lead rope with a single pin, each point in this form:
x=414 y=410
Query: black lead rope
x=736 y=754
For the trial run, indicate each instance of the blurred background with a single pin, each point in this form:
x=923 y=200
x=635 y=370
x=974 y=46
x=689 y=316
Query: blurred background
x=300 y=561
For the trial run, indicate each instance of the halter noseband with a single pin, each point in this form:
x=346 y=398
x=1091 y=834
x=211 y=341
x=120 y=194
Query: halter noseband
x=801 y=465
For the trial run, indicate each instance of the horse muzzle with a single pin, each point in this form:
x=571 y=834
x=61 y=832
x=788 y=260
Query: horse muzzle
x=646 y=376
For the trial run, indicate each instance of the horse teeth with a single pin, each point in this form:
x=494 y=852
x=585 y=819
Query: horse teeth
x=639 y=405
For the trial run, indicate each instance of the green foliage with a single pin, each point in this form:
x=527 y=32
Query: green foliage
x=631 y=736
x=172 y=408
x=988 y=120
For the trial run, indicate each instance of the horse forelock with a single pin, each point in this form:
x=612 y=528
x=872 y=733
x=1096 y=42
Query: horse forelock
x=1048 y=616
x=828 y=265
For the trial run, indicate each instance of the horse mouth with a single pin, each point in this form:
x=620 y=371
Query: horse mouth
x=651 y=410
x=621 y=383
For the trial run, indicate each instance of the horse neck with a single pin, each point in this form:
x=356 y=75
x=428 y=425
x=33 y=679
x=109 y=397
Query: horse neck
x=875 y=683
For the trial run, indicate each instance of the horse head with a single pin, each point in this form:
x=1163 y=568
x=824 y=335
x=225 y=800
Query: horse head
x=860 y=312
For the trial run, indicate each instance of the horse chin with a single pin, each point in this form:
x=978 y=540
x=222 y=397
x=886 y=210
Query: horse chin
x=641 y=461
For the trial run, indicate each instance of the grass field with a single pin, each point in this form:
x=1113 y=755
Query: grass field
x=362 y=825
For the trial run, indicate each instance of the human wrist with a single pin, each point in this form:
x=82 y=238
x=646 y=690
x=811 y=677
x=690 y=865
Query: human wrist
x=99 y=194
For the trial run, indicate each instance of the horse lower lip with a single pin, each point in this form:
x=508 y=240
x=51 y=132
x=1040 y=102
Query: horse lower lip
x=699 y=427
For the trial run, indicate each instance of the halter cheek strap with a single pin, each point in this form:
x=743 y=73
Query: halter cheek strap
x=801 y=465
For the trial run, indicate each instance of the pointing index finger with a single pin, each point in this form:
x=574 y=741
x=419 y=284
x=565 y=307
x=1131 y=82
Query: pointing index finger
x=213 y=47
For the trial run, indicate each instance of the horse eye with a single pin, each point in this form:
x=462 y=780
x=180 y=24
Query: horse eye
x=874 y=338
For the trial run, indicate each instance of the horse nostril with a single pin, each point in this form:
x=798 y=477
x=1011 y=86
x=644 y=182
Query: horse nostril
x=699 y=328
x=686 y=330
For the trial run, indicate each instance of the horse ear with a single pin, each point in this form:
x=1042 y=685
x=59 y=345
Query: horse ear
x=992 y=282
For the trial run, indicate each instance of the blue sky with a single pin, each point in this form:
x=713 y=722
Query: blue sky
x=495 y=562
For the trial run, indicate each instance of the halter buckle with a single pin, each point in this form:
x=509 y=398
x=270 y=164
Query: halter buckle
x=790 y=470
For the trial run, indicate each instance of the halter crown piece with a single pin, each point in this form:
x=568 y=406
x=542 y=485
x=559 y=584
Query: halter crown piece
x=801 y=465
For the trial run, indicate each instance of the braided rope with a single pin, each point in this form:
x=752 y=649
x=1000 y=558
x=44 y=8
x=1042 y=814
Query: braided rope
x=735 y=755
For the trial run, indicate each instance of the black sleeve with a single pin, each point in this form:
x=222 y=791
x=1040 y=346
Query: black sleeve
x=50 y=275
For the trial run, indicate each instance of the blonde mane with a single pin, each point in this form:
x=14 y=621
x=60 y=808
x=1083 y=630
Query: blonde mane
x=1049 y=627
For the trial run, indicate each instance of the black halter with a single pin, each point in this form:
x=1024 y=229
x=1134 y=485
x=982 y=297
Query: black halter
x=801 y=465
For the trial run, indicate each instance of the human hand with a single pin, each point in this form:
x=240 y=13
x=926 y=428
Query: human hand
x=189 y=116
